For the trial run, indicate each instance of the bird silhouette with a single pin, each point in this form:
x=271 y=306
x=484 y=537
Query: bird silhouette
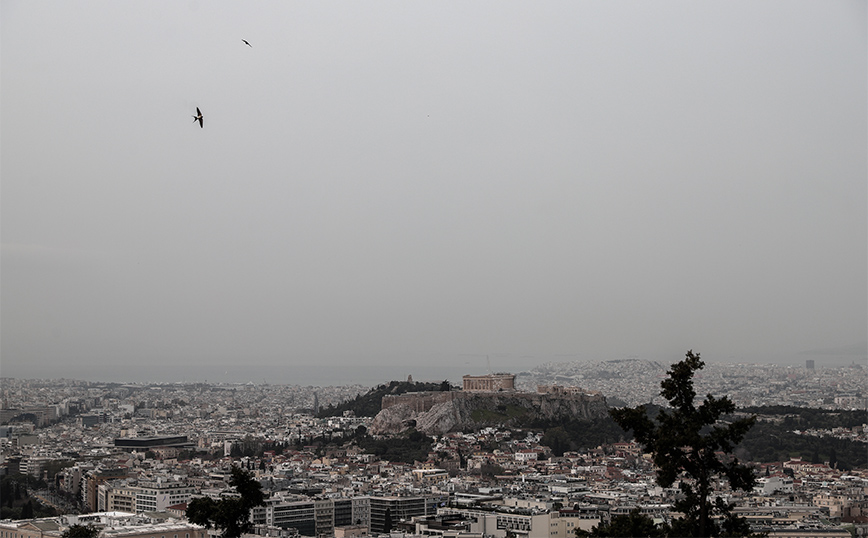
x=198 y=117
x=246 y=43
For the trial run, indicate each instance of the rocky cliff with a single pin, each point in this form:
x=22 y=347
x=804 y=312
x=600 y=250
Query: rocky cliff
x=442 y=412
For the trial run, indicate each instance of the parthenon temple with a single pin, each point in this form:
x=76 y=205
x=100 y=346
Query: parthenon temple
x=489 y=382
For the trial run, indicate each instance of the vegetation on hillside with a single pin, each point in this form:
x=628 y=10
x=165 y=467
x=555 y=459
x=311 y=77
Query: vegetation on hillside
x=769 y=442
x=578 y=435
x=408 y=446
x=369 y=404
x=501 y=413
x=802 y=418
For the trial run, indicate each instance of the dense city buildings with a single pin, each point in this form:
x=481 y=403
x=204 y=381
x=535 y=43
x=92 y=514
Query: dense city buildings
x=128 y=458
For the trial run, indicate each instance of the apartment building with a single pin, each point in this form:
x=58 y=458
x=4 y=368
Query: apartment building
x=287 y=512
x=144 y=496
x=387 y=511
x=503 y=523
x=159 y=494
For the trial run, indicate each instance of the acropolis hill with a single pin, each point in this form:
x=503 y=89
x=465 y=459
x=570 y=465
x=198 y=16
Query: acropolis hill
x=443 y=412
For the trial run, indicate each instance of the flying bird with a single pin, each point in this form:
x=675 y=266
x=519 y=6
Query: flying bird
x=198 y=117
x=246 y=43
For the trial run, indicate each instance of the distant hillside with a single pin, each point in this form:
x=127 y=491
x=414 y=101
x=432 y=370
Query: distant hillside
x=369 y=404
x=774 y=437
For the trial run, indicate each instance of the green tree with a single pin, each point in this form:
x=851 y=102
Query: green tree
x=684 y=441
x=7 y=491
x=387 y=521
x=231 y=514
x=80 y=531
x=557 y=439
x=27 y=510
x=633 y=524
x=490 y=470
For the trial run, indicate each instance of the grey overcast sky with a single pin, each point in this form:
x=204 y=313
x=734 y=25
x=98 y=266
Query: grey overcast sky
x=390 y=188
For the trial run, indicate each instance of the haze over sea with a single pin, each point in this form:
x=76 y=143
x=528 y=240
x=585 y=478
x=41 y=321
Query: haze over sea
x=372 y=371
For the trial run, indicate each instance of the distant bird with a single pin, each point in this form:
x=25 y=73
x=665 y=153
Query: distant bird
x=198 y=117
x=246 y=43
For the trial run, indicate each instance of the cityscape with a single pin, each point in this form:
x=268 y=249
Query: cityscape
x=129 y=458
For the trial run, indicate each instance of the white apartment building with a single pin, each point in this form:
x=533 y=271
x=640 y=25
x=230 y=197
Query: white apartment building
x=159 y=494
x=145 y=496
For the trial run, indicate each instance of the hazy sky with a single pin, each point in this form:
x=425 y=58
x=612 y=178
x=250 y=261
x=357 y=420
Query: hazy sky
x=417 y=185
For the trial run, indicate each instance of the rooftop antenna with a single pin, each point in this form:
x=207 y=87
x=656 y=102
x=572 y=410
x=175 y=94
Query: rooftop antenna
x=487 y=360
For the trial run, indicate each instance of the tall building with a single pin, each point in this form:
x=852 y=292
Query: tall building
x=343 y=513
x=287 y=512
x=396 y=509
x=809 y=364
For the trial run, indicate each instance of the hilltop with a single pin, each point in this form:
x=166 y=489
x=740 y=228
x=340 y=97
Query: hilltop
x=370 y=403
x=442 y=412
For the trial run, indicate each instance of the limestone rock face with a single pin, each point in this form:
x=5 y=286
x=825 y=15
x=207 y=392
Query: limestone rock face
x=392 y=420
x=443 y=417
x=442 y=412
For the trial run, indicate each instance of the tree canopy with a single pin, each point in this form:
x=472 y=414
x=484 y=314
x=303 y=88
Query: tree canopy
x=80 y=531
x=633 y=524
x=692 y=445
x=369 y=404
x=231 y=514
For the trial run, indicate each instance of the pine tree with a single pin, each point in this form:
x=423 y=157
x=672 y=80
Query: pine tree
x=231 y=514
x=27 y=510
x=80 y=531
x=684 y=441
x=387 y=521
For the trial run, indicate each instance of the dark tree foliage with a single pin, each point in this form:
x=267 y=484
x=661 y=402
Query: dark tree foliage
x=27 y=510
x=685 y=440
x=15 y=499
x=557 y=439
x=230 y=514
x=407 y=447
x=633 y=524
x=581 y=434
x=55 y=466
x=387 y=521
x=768 y=442
x=792 y=417
x=255 y=447
x=7 y=493
x=81 y=531
x=369 y=404
x=490 y=470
